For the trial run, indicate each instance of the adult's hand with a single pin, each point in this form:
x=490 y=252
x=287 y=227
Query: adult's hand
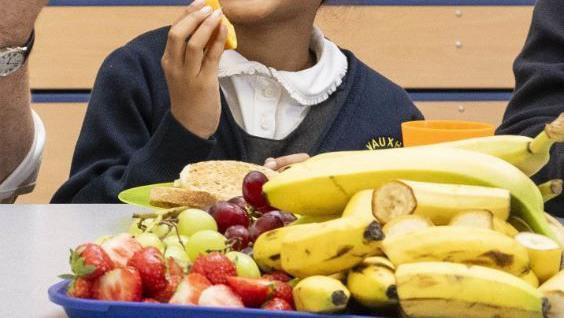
x=17 y=129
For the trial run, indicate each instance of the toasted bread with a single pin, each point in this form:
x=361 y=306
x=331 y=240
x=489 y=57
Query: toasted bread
x=204 y=183
x=170 y=197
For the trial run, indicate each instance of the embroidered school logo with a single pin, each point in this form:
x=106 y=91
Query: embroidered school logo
x=383 y=143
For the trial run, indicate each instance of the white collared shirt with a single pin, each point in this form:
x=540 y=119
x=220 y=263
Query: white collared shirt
x=269 y=103
x=22 y=179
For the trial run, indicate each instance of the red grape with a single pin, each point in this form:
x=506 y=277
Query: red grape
x=269 y=221
x=288 y=217
x=248 y=250
x=240 y=201
x=228 y=214
x=252 y=191
x=239 y=237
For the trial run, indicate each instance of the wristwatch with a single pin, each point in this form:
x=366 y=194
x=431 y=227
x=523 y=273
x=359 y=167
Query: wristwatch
x=13 y=58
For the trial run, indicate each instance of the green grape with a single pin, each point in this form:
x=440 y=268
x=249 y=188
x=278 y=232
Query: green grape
x=192 y=221
x=134 y=227
x=179 y=255
x=150 y=239
x=172 y=240
x=246 y=266
x=204 y=242
x=161 y=230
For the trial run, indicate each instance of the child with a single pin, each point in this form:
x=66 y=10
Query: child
x=172 y=97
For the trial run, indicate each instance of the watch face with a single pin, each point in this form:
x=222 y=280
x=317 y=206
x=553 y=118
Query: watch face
x=10 y=62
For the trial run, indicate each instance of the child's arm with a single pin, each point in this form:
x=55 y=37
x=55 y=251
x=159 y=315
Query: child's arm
x=539 y=93
x=120 y=145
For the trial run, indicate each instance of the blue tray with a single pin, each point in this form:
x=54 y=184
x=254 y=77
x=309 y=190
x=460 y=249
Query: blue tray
x=83 y=308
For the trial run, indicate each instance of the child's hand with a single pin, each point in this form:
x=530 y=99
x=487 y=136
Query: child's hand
x=190 y=63
x=282 y=162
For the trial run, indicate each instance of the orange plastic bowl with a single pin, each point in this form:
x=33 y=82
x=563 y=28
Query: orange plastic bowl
x=425 y=132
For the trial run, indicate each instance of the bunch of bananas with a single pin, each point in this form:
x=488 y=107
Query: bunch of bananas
x=449 y=230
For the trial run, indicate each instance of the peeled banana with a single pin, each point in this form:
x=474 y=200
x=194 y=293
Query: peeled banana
x=456 y=244
x=544 y=253
x=449 y=290
x=320 y=294
x=481 y=219
x=324 y=186
x=437 y=201
x=553 y=289
x=372 y=283
x=405 y=224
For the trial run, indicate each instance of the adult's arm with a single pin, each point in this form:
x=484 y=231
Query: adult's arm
x=539 y=92
x=17 y=127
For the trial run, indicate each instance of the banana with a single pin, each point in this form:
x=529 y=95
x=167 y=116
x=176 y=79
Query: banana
x=405 y=224
x=458 y=244
x=527 y=154
x=530 y=278
x=321 y=294
x=482 y=219
x=331 y=247
x=360 y=204
x=308 y=219
x=437 y=201
x=504 y=227
x=551 y=189
x=557 y=229
x=334 y=246
x=544 y=253
x=324 y=186
x=372 y=283
x=268 y=246
x=553 y=289
x=449 y=290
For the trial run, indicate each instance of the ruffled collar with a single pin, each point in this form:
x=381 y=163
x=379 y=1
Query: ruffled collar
x=308 y=87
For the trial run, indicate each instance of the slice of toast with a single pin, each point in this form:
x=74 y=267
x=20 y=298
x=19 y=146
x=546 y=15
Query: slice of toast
x=204 y=183
x=171 y=197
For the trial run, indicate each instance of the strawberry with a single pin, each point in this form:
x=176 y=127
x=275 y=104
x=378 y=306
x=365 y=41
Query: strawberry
x=283 y=291
x=90 y=261
x=120 y=284
x=174 y=276
x=215 y=266
x=151 y=266
x=121 y=248
x=253 y=291
x=80 y=288
x=278 y=275
x=220 y=296
x=190 y=289
x=150 y=301
x=277 y=304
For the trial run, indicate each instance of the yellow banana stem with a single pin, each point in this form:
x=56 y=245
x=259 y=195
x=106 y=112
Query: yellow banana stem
x=553 y=132
x=551 y=189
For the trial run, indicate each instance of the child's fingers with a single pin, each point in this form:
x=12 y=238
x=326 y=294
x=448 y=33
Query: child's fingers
x=215 y=50
x=180 y=33
x=193 y=7
x=198 y=42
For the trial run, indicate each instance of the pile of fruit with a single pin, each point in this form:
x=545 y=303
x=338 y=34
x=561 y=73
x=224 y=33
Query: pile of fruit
x=187 y=256
x=450 y=230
